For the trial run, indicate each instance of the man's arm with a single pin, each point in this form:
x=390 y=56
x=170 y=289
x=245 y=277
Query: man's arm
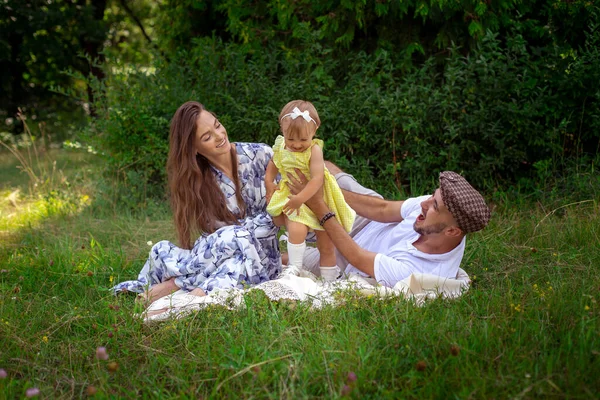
x=370 y=207
x=374 y=208
x=360 y=258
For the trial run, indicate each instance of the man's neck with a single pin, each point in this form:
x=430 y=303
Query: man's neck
x=437 y=243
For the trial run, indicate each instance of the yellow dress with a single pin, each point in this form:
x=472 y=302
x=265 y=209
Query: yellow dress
x=286 y=161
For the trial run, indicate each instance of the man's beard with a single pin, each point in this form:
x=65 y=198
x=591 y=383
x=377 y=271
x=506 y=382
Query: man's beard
x=429 y=230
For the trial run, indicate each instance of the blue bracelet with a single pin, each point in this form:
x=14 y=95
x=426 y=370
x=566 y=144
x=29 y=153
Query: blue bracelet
x=326 y=217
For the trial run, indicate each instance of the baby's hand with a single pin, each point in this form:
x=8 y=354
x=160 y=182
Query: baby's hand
x=293 y=205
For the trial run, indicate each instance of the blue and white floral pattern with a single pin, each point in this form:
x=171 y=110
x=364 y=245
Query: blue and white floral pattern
x=234 y=255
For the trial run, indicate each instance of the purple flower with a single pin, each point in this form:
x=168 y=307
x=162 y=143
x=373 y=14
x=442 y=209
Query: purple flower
x=32 y=392
x=351 y=377
x=346 y=390
x=3 y=373
x=101 y=353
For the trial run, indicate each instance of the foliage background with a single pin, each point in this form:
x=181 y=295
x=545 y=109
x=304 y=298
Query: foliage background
x=505 y=92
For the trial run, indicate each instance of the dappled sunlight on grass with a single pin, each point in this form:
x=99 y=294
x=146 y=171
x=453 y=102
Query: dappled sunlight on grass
x=54 y=183
x=29 y=213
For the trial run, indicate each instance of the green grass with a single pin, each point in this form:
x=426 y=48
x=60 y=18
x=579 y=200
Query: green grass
x=529 y=326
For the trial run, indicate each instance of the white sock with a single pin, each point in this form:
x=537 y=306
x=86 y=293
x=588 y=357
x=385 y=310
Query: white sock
x=296 y=253
x=330 y=273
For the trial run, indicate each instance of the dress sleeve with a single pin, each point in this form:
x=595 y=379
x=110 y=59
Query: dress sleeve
x=277 y=147
x=318 y=142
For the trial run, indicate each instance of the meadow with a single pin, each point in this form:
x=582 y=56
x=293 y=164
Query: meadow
x=529 y=327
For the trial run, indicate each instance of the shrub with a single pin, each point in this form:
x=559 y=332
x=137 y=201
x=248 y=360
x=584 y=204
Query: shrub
x=506 y=112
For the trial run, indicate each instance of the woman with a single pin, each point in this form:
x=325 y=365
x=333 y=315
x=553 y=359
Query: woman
x=217 y=189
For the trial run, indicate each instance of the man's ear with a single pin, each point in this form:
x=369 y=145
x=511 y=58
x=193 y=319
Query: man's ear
x=453 y=231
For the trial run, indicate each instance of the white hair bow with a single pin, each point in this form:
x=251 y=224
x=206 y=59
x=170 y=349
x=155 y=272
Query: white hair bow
x=297 y=113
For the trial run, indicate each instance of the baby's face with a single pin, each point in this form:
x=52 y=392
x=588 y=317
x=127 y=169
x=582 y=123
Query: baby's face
x=297 y=140
x=298 y=143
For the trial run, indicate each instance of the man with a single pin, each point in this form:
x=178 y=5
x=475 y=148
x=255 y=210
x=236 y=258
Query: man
x=390 y=240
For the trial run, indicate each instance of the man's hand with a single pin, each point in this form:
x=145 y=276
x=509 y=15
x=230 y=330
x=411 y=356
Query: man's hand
x=296 y=184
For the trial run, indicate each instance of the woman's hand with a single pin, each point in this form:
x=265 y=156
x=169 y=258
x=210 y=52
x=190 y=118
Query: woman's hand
x=292 y=205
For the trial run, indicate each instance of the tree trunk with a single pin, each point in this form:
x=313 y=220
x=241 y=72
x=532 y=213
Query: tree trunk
x=16 y=68
x=92 y=46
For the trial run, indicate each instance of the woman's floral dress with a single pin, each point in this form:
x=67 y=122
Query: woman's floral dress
x=232 y=256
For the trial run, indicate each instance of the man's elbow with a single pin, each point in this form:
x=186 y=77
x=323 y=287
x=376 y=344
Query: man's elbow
x=365 y=263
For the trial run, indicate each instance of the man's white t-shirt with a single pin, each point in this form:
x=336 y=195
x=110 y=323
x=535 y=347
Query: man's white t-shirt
x=396 y=257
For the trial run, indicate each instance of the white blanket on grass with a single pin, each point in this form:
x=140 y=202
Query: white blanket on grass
x=299 y=285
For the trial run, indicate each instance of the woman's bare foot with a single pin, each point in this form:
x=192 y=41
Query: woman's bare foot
x=198 y=292
x=157 y=291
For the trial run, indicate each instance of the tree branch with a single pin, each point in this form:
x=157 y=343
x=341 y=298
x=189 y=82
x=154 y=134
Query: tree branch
x=137 y=21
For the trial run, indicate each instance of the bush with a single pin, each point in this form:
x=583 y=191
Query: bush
x=505 y=113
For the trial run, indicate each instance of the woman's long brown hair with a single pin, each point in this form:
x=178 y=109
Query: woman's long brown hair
x=197 y=201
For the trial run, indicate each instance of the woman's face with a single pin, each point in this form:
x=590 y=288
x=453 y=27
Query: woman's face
x=211 y=137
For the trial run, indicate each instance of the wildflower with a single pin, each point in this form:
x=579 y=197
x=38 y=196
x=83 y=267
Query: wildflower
x=346 y=390
x=32 y=392
x=149 y=242
x=45 y=339
x=112 y=366
x=454 y=350
x=3 y=373
x=586 y=308
x=351 y=377
x=91 y=390
x=101 y=353
x=111 y=279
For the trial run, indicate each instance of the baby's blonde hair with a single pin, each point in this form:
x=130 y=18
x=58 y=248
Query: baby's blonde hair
x=299 y=126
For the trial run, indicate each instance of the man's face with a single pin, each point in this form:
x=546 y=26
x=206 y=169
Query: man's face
x=435 y=216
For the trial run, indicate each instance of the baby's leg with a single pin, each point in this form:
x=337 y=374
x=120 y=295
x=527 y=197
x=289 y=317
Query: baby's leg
x=279 y=220
x=296 y=231
x=329 y=269
x=296 y=244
